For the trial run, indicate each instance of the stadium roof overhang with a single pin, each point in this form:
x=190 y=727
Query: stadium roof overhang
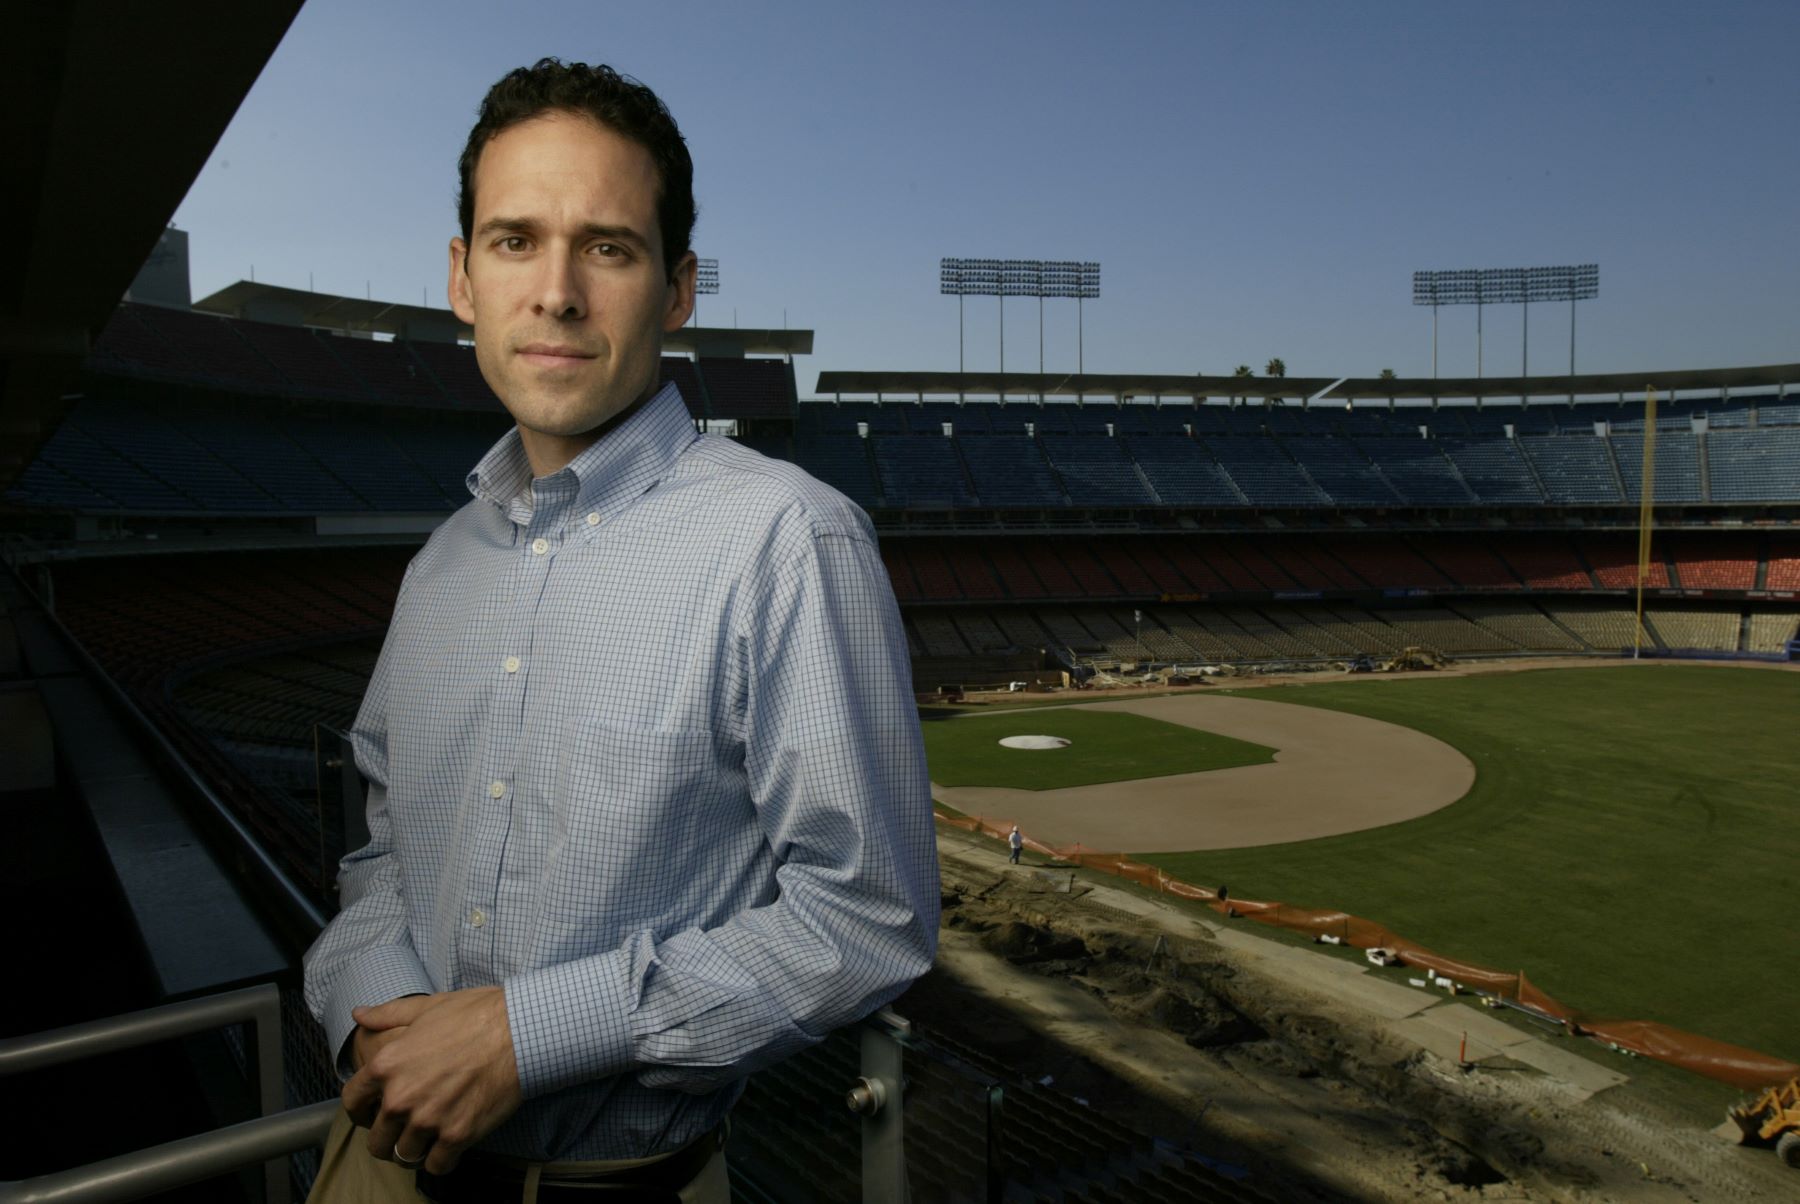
x=352 y=315
x=1026 y=385
x=111 y=112
x=360 y=315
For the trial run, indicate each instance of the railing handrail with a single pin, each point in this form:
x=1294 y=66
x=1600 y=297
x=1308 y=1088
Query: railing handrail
x=174 y=1163
x=177 y=1163
x=94 y=1038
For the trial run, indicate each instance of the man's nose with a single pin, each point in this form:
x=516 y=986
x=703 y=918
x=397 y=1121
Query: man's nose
x=560 y=292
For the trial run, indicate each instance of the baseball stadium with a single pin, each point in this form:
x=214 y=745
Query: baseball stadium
x=1403 y=767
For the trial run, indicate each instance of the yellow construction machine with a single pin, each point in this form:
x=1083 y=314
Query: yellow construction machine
x=1773 y=1116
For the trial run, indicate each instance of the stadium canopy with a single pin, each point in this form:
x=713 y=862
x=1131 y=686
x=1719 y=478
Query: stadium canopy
x=1327 y=390
x=111 y=111
x=276 y=303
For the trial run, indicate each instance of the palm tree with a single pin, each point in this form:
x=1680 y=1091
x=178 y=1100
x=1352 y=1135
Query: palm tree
x=1243 y=370
x=1277 y=367
x=1388 y=374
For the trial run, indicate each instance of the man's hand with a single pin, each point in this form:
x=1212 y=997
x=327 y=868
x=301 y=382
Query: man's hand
x=439 y=1075
x=363 y=1044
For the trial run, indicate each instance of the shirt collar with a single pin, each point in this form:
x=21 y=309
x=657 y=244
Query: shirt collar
x=616 y=468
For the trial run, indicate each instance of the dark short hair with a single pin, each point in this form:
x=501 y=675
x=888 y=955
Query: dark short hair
x=618 y=102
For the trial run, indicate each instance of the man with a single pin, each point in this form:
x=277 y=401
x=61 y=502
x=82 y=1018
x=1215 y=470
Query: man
x=648 y=805
x=1015 y=840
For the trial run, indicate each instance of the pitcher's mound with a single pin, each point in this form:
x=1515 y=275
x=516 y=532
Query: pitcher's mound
x=1034 y=742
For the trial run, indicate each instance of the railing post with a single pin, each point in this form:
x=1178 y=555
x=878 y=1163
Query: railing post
x=343 y=824
x=996 y=1144
x=877 y=1097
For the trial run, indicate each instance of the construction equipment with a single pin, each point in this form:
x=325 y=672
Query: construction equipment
x=1773 y=1116
x=1414 y=657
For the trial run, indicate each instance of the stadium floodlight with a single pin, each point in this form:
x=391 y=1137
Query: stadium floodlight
x=1507 y=286
x=706 y=280
x=1005 y=278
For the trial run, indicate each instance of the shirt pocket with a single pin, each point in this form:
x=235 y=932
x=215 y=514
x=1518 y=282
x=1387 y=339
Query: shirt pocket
x=633 y=811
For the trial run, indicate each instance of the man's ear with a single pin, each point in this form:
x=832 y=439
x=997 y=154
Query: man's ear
x=462 y=300
x=681 y=293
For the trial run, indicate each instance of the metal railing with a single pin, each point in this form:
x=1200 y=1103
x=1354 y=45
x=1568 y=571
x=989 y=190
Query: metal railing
x=267 y=1139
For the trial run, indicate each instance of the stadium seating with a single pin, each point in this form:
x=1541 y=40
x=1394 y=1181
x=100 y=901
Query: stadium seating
x=1418 y=470
x=1575 y=469
x=1715 y=561
x=1677 y=466
x=1264 y=473
x=1341 y=470
x=1182 y=473
x=1752 y=466
x=454 y=368
x=1770 y=631
x=1543 y=562
x=1010 y=472
x=1603 y=627
x=747 y=388
x=1784 y=565
x=1709 y=630
x=1521 y=623
x=921 y=470
x=841 y=461
x=1465 y=561
x=1096 y=471
x=1495 y=469
x=1614 y=560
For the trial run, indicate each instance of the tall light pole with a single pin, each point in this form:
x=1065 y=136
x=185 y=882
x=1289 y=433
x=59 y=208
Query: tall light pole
x=1508 y=286
x=1003 y=278
x=706 y=280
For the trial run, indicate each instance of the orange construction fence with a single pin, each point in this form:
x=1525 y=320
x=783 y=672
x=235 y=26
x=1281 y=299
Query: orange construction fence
x=1743 y=1068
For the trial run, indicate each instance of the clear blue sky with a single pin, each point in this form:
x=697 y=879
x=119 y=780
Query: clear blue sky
x=1257 y=179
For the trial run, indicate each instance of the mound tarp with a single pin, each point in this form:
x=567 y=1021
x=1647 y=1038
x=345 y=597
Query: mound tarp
x=1743 y=1068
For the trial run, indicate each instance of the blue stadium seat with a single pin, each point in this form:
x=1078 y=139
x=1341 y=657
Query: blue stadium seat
x=1575 y=469
x=1494 y=468
x=1096 y=471
x=921 y=470
x=1182 y=473
x=1417 y=469
x=1263 y=471
x=1010 y=471
x=1342 y=471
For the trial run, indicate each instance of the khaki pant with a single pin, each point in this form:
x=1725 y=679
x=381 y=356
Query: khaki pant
x=349 y=1175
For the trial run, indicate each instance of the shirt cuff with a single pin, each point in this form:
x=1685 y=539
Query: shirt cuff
x=571 y=1023
x=379 y=975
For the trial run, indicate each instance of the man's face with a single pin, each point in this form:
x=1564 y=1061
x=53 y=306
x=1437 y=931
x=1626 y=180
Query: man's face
x=563 y=276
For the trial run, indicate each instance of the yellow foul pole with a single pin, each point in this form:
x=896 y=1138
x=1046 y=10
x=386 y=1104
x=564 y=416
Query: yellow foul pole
x=1646 y=515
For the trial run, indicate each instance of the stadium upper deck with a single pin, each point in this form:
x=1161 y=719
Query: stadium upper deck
x=339 y=424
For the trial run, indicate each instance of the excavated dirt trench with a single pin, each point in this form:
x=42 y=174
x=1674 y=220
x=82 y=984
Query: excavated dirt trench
x=1172 y=1033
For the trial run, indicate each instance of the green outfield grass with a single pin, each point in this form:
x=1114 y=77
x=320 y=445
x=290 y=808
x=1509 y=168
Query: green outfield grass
x=1104 y=746
x=1632 y=840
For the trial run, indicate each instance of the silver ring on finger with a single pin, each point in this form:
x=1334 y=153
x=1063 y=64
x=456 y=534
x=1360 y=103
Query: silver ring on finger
x=411 y=1164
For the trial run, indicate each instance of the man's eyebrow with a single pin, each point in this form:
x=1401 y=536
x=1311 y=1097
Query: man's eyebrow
x=616 y=233
x=526 y=225
x=506 y=225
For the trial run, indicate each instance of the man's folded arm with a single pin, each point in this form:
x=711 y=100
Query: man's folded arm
x=837 y=772
x=366 y=955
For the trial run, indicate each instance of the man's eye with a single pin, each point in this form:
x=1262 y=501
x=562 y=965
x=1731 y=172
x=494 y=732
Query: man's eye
x=513 y=242
x=608 y=250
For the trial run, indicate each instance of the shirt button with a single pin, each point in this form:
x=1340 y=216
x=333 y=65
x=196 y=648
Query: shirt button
x=497 y=789
x=512 y=664
x=540 y=545
x=593 y=520
x=478 y=917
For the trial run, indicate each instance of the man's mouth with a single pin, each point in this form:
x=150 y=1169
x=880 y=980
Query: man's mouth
x=554 y=355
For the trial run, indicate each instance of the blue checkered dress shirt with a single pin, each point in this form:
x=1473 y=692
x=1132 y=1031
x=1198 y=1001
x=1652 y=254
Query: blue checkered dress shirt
x=642 y=748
